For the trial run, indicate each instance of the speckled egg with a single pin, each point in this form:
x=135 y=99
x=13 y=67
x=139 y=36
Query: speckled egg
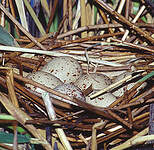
x=102 y=101
x=121 y=89
x=67 y=69
x=98 y=81
x=43 y=78
x=70 y=90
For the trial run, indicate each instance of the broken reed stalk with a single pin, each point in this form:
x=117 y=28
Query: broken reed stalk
x=119 y=10
x=21 y=27
x=93 y=140
x=121 y=18
x=83 y=139
x=63 y=138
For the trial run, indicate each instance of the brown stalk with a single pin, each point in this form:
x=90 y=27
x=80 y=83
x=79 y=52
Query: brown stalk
x=99 y=27
x=85 y=39
x=70 y=13
x=49 y=122
x=52 y=13
x=133 y=45
x=13 y=14
x=141 y=99
x=130 y=118
x=122 y=130
x=122 y=121
x=65 y=12
x=33 y=98
x=98 y=110
x=121 y=18
x=10 y=85
x=127 y=10
x=26 y=105
x=105 y=19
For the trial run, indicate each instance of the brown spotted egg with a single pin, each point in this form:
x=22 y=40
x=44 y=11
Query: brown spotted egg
x=70 y=90
x=98 y=81
x=67 y=69
x=125 y=86
x=43 y=78
x=103 y=100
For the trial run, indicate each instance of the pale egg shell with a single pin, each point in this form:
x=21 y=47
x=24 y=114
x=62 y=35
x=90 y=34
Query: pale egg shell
x=43 y=78
x=121 y=89
x=103 y=100
x=98 y=81
x=70 y=90
x=67 y=69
